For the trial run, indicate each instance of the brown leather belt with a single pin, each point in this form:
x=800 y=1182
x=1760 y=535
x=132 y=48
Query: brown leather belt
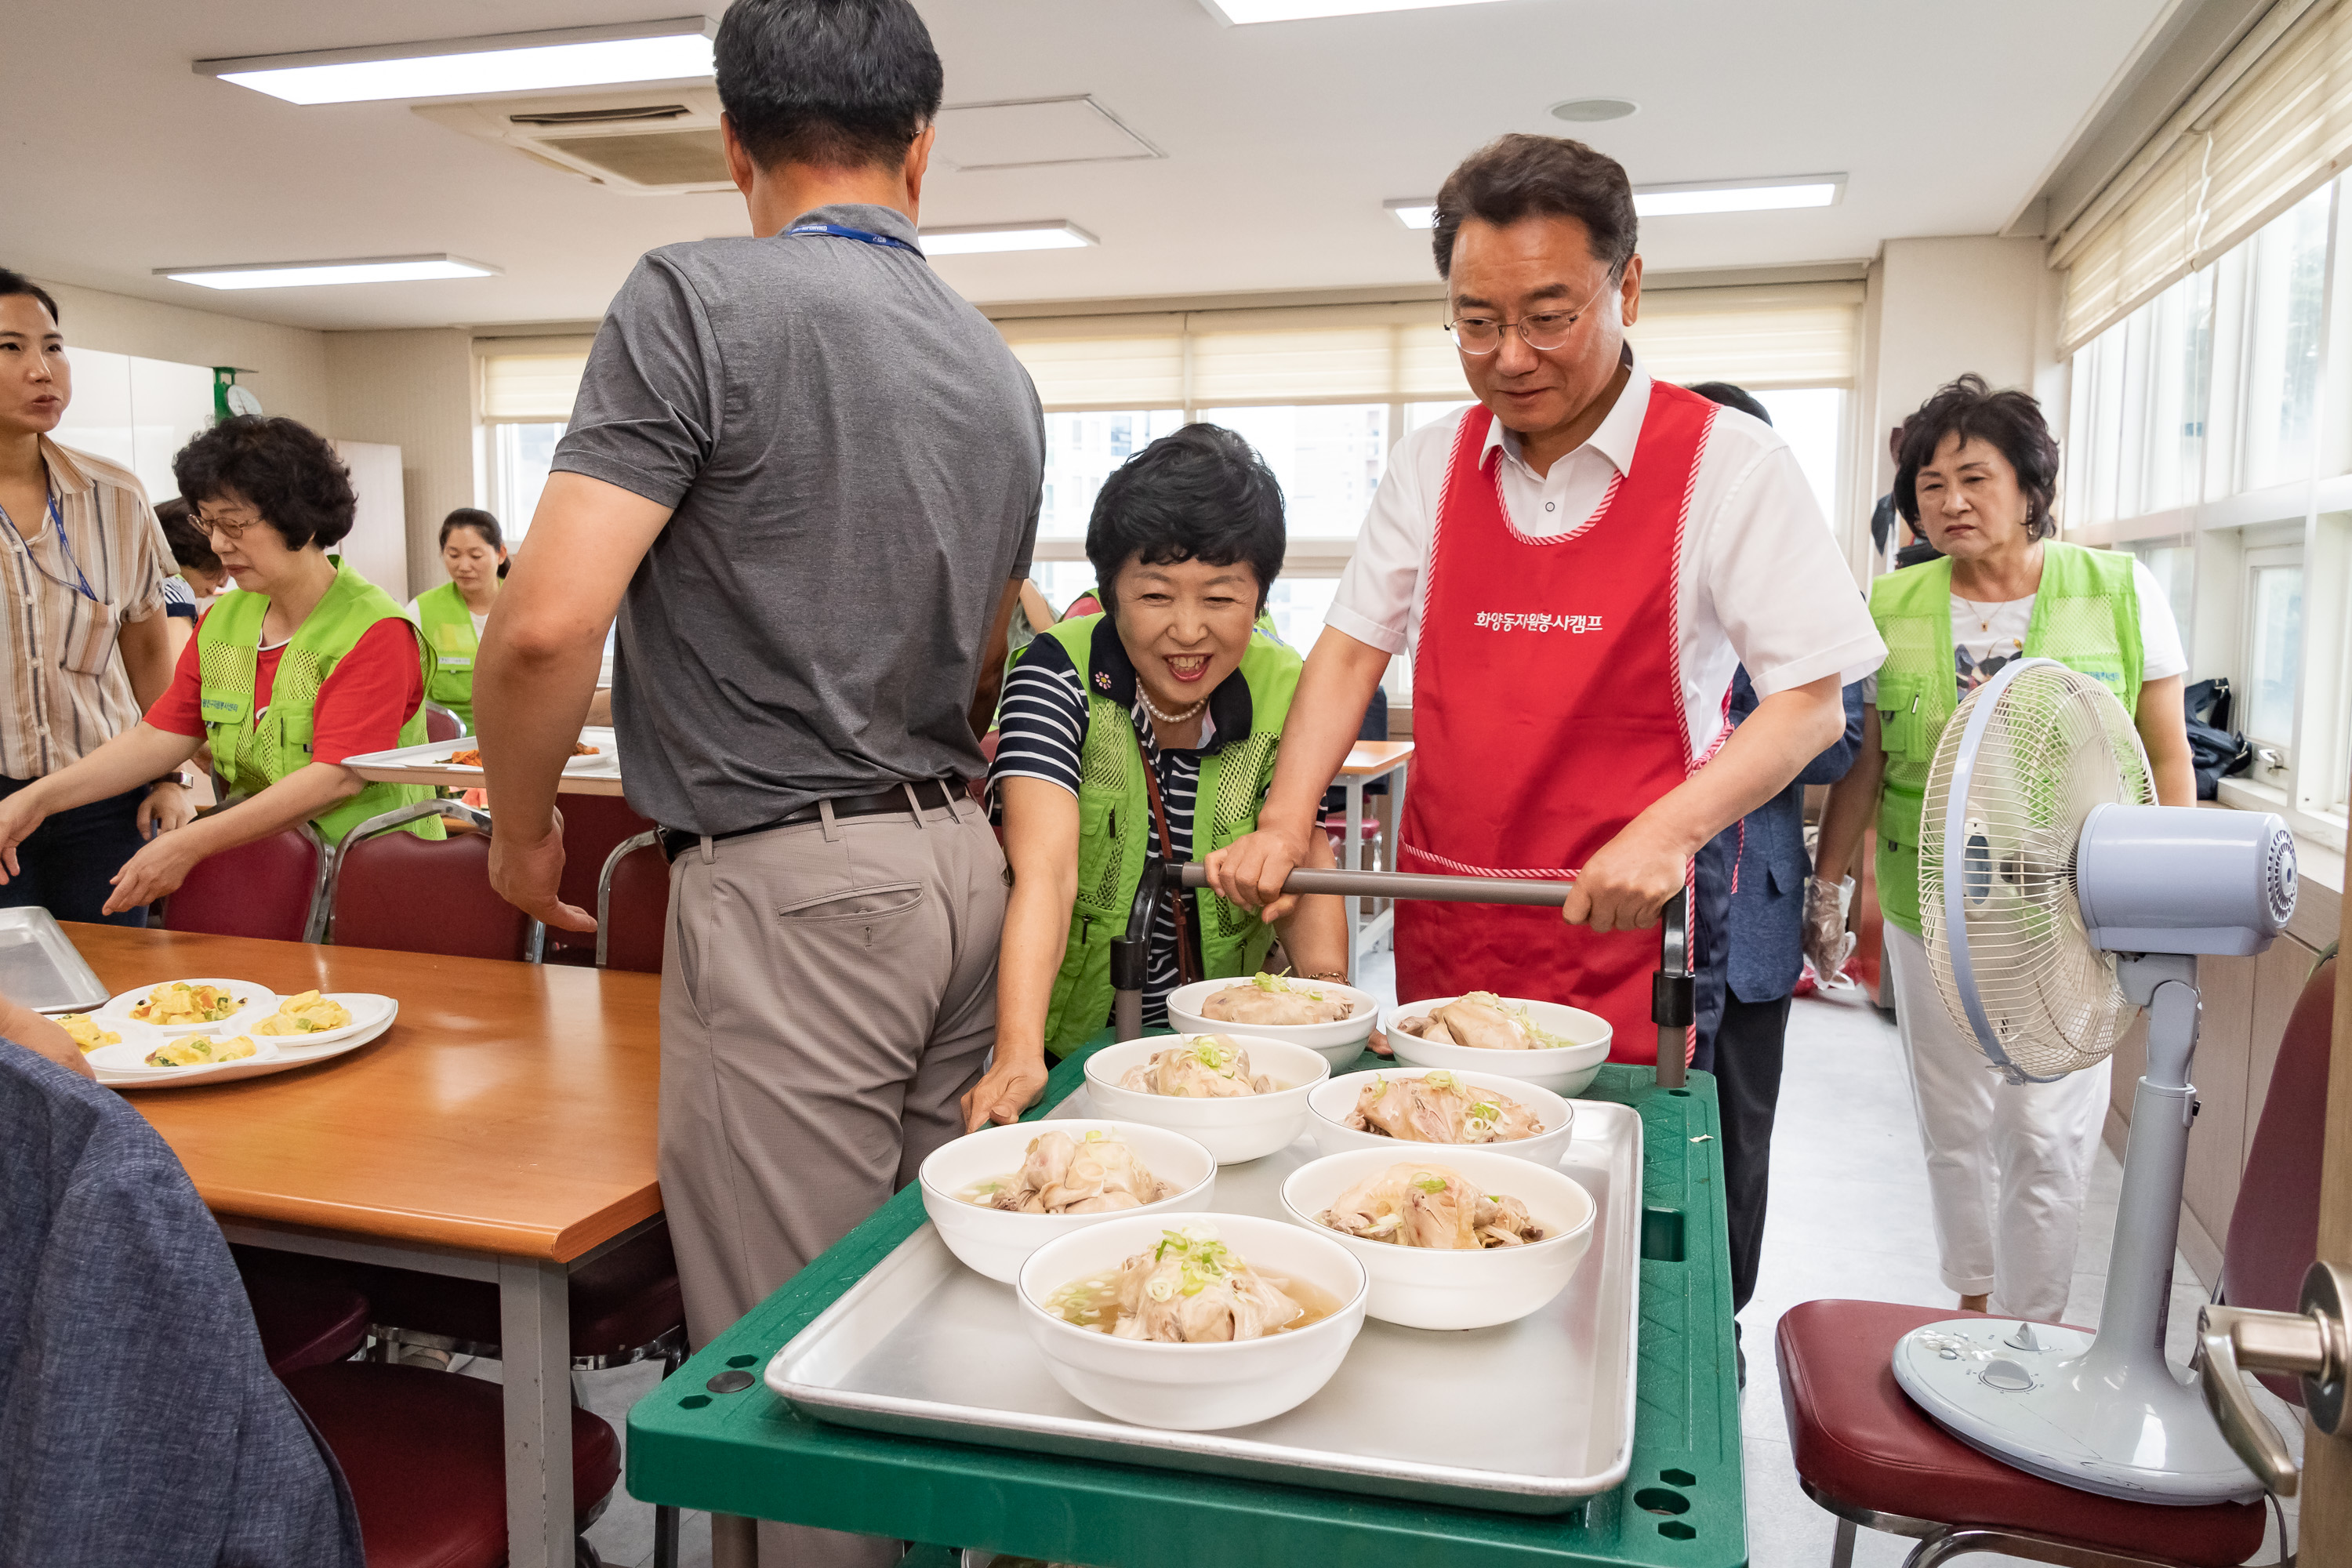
x=881 y=803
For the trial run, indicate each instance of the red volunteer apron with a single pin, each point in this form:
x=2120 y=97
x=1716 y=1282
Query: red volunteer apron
x=1548 y=713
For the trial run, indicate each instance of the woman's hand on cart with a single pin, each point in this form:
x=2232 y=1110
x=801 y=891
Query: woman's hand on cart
x=1250 y=870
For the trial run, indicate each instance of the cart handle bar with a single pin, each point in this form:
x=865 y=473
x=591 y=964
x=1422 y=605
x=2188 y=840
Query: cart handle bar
x=1672 y=992
x=1410 y=885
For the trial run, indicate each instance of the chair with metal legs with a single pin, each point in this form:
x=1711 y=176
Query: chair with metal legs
x=415 y=895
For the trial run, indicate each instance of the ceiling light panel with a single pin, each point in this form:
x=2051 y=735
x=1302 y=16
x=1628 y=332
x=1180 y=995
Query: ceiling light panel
x=1682 y=201
x=673 y=50
x=976 y=240
x=1738 y=195
x=311 y=274
x=1240 y=12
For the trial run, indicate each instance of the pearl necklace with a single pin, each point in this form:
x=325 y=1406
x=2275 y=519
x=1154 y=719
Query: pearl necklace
x=1151 y=707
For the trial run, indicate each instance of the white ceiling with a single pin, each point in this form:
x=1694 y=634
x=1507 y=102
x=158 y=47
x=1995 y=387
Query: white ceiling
x=1282 y=140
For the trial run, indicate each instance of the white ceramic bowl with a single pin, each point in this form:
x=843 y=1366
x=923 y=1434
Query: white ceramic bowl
x=1243 y=1127
x=254 y=1003
x=1563 y=1069
x=1339 y=1043
x=1195 y=1388
x=993 y=1242
x=1422 y=1289
x=130 y=1056
x=1329 y=1104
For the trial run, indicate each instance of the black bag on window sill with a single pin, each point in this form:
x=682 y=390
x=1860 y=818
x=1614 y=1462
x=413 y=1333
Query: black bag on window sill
x=2215 y=751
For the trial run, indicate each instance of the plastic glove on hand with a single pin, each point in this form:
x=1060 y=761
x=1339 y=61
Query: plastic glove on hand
x=1828 y=944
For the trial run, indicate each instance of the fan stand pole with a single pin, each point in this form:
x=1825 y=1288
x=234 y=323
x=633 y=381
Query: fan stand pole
x=2108 y=1413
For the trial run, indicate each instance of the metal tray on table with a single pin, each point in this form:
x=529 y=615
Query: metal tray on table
x=1527 y=1417
x=40 y=966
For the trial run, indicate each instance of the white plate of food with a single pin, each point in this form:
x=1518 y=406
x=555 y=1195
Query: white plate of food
x=1452 y=1238
x=188 y=1007
x=312 y=1018
x=1546 y=1043
x=1242 y=1096
x=1405 y=1108
x=172 y=1056
x=997 y=1194
x=1194 y=1324
x=1330 y=1019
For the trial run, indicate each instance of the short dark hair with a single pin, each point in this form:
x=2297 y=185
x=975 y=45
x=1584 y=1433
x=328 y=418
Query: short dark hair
x=192 y=547
x=2009 y=419
x=481 y=522
x=837 y=84
x=287 y=470
x=12 y=282
x=1732 y=396
x=1199 y=494
x=1518 y=176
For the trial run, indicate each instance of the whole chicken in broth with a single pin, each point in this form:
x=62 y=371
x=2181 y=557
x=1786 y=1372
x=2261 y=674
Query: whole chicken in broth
x=1269 y=999
x=1062 y=1174
x=1431 y=1207
x=1483 y=1021
x=1190 y=1289
x=1205 y=1067
x=1439 y=1107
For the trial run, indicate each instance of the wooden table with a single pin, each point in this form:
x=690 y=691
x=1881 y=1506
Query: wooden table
x=1370 y=760
x=503 y=1128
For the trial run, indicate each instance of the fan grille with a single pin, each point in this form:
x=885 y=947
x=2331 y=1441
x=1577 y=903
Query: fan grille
x=2057 y=744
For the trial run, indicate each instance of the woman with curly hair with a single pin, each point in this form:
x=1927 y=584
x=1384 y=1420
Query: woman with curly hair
x=304 y=664
x=2007 y=1163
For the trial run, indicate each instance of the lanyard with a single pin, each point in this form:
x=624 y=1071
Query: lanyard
x=55 y=518
x=863 y=236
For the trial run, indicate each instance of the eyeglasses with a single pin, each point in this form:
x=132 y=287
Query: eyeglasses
x=231 y=532
x=1542 y=331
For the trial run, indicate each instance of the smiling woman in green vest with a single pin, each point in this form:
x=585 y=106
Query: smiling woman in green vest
x=2007 y=1163
x=305 y=663
x=474 y=554
x=1150 y=729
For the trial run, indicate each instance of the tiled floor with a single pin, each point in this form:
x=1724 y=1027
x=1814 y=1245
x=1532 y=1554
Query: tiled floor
x=1849 y=1218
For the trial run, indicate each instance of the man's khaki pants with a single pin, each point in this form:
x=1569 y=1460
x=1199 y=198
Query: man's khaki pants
x=828 y=995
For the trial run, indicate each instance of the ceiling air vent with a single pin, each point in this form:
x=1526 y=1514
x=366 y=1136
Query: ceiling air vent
x=633 y=143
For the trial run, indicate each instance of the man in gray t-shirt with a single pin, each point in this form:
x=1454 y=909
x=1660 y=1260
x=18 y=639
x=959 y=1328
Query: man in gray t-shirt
x=806 y=474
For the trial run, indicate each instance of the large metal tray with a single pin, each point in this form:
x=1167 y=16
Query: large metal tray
x=40 y=966
x=1527 y=1417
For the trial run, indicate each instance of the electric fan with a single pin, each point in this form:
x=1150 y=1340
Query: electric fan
x=2056 y=902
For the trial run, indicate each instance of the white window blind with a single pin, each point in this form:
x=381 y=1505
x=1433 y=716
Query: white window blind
x=2282 y=130
x=1761 y=337
x=530 y=381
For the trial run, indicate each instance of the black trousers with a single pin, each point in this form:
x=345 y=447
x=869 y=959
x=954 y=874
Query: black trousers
x=68 y=863
x=1747 y=1051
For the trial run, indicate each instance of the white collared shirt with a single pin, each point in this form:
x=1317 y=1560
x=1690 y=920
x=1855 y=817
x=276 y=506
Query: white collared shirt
x=1763 y=583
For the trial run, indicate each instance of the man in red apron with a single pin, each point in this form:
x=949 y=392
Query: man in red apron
x=1578 y=561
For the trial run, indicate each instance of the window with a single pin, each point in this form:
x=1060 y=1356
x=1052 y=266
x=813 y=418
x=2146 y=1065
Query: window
x=519 y=454
x=1811 y=419
x=1081 y=450
x=1298 y=605
x=1328 y=459
x=2207 y=435
x=2274 y=644
x=2286 y=308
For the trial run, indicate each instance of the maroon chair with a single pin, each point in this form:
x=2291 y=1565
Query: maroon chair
x=632 y=906
x=397 y=890
x=1870 y=1456
x=440 y=724
x=593 y=825
x=266 y=888
x=308 y=1311
x=426 y=1456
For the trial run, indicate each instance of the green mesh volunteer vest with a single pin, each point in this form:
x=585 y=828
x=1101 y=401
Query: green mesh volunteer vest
x=1114 y=832
x=449 y=633
x=2086 y=616
x=253 y=754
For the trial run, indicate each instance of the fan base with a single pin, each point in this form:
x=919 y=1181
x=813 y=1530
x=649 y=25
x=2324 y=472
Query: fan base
x=2121 y=1425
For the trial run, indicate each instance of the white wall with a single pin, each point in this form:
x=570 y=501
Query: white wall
x=1939 y=308
x=413 y=390
x=288 y=363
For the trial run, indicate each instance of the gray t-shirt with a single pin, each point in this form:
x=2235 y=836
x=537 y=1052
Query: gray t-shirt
x=854 y=459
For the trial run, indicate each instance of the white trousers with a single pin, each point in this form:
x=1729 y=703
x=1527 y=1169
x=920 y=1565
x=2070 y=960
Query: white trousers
x=2007 y=1163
